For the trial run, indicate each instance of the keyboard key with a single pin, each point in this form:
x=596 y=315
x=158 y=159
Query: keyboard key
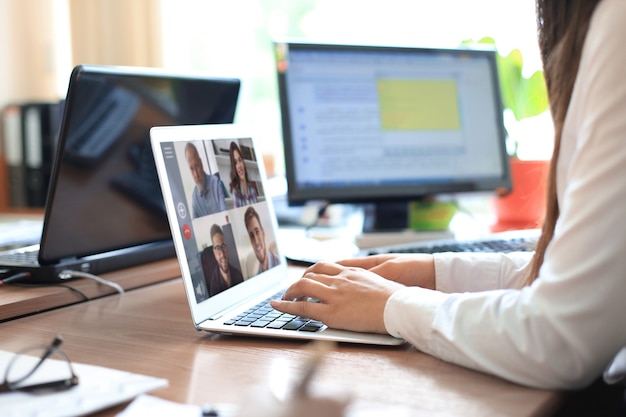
x=295 y=324
x=311 y=326
x=276 y=324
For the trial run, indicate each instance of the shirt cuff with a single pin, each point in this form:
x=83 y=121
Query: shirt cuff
x=409 y=314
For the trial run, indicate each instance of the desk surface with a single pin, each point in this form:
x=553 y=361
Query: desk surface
x=149 y=331
x=17 y=301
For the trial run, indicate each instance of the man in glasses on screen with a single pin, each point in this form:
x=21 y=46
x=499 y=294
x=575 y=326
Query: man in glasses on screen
x=224 y=275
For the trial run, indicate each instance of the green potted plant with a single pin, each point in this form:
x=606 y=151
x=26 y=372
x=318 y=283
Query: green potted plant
x=524 y=98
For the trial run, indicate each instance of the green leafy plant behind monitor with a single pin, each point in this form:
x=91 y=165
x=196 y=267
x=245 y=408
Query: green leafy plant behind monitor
x=523 y=96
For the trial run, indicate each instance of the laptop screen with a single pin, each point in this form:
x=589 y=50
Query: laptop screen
x=222 y=223
x=105 y=193
x=369 y=123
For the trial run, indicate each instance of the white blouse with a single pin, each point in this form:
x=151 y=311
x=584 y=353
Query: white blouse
x=564 y=329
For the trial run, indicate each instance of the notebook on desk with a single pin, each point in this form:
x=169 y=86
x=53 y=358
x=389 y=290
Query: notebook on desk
x=104 y=210
x=230 y=259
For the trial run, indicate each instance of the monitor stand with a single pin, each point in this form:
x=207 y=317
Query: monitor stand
x=386 y=216
x=387 y=223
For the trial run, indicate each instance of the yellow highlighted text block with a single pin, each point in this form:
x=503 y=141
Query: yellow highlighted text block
x=418 y=105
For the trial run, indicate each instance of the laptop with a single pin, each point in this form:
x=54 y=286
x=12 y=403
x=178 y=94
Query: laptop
x=225 y=236
x=104 y=209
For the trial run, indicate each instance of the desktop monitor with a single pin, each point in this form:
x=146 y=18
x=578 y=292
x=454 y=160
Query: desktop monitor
x=388 y=125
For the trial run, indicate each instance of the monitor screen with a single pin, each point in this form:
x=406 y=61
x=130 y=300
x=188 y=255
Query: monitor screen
x=380 y=123
x=104 y=193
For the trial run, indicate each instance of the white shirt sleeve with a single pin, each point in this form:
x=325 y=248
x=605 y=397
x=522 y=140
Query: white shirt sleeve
x=470 y=272
x=564 y=329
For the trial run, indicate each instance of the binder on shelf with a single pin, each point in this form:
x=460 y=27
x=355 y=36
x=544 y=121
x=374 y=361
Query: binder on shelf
x=35 y=178
x=4 y=181
x=38 y=141
x=30 y=132
x=14 y=155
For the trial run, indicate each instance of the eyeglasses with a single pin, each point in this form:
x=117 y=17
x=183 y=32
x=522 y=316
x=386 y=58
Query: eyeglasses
x=220 y=248
x=22 y=371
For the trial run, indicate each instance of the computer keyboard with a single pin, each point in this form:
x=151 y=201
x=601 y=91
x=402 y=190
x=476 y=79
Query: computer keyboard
x=22 y=256
x=519 y=240
x=19 y=233
x=524 y=241
x=263 y=315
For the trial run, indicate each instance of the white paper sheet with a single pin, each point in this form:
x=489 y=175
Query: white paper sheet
x=98 y=388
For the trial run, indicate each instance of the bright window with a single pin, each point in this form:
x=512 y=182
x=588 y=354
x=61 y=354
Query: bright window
x=233 y=38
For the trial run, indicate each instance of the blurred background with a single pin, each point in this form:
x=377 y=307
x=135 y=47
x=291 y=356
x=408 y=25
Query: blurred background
x=41 y=40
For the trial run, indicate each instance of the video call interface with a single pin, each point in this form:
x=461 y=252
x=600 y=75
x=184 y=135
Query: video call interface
x=225 y=226
x=421 y=116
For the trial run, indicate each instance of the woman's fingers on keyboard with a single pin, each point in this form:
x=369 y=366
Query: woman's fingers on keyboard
x=300 y=308
x=311 y=285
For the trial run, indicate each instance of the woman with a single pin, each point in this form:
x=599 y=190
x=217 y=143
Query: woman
x=244 y=192
x=551 y=321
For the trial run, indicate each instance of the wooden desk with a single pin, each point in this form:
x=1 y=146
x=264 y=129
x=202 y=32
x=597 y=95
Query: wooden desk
x=149 y=331
x=17 y=301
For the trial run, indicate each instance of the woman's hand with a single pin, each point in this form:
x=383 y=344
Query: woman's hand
x=350 y=298
x=417 y=270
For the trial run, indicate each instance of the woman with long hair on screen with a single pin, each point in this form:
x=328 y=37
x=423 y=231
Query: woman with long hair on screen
x=242 y=189
x=549 y=319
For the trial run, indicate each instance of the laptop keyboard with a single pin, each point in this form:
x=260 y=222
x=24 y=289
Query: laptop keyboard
x=263 y=315
x=19 y=257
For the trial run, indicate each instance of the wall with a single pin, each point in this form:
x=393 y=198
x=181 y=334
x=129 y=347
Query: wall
x=30 y=43
x=116 y=32
x=41 y=40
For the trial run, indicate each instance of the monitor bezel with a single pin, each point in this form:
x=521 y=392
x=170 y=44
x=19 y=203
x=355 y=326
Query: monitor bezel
x=385 y=193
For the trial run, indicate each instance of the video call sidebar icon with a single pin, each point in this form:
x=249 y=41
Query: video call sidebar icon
x=187 y=231
x=182 y=212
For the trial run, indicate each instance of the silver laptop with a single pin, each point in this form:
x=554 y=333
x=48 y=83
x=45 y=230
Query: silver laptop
x=225 y=235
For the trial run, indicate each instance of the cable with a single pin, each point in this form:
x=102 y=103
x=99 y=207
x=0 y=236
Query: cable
x=68 y=274
x=321 y=212
x=18 y=278
x=15 y=278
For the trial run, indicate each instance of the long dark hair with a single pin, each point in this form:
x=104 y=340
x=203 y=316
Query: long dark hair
x=235 y=183
x=562 y=28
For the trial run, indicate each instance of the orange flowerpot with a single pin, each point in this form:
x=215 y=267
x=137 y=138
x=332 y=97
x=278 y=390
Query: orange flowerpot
x=524 y=206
